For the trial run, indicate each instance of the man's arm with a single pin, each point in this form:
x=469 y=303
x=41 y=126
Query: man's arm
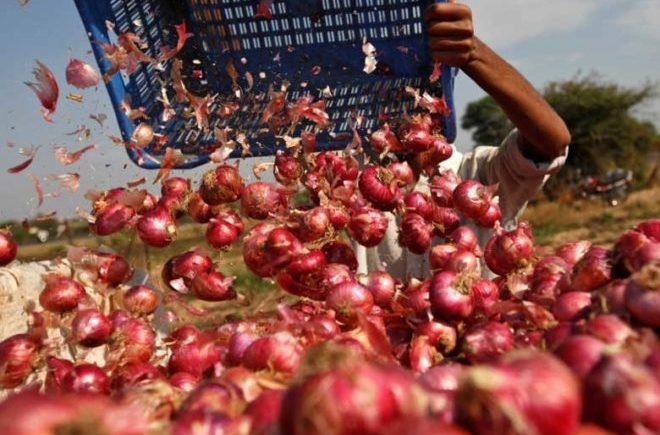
x=452 y=42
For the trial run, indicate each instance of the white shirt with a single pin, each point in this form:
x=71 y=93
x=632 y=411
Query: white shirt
x=520 y=179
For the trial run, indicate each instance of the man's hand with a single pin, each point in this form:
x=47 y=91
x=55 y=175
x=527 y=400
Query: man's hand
x=451 y=34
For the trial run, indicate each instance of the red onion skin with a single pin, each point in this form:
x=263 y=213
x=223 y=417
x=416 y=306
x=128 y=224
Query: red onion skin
x=572 y=253
x=184 y=381
x=422 y=355
x=57 y=369
x=91 y=328
x=440 y=335
x=367 y=227
x=415 y=233
x=231 y=216
x=347 y=300
x=315 y=224
x=450 y=297
x=334 y=274
x=279 y=352
x=301 y=277
x=8 y=248
x=509 y=250
x=505 y=397
x=642 y=295
x=141 y=300
x=86 y=379
x=622 y=396
x=264 y=412
x=220 y=234
x=417 y=296
x=212 y=286
x=592 y=271
x=403 y=173
x=245 y=380
x=440 y=255
x=113 y=269
x=189 y=264
x=194 y=358
x=486 y=295
x=197 y=209
x=581 y=353
x=339 y=216
x=609 y=328
x=486 y=341
x=253 y=250
x=157 y=228
x=445 y=221
x=442 y=188
x=112 y=219
x=650 y=228
x=221 y=185
x=177 y=187
x=337 y=251
x=18 y=357
x=385 y=139
x=287 y=169
x=280 y=247
x=378 y=186
x=61 y=294
x=572 y=306
x=133 y=341
x=81 y=75
x=132 y=374
x=547 y=277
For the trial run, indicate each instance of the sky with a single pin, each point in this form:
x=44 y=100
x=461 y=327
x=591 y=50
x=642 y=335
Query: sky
x=546 y=40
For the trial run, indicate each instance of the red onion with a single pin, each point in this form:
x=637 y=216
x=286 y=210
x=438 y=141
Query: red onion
x=264 y=412
x=205 y=422
x=486 y=341
x=379 y=186
x=18 y=357
x=113 y=269
x=253 y=250
x=91 y=328
x=650 y=228
x=81 y=75
x=547 y=277
x=509 y=250
x=382 y=287
x=451 y=296
x=439 y=152
x=417 y=296
x=134 y=374
x=197 y=209
x=422 y=355
x=592 y=271
x=472 y=198
x=157 y=228
x=653 y=362
x=86 y=379
x=221 y=234
x=212 y=286
x=507 y=397
x=301 y=275
x=187 y=265
x=416 y=139
x=334 y=274
x=490 y=217
x=348 y=299
x=440 y=255
x=486 y=295
x=643 y=295
x=463 y=261
x=133 y=341
x=118 y=318
x=260 y=200
x=57 y=369
x=314 y=224
x=403 y=173
x=647 y=254
x=367 y=227
x=571 y=253
x=415 y=233
x=385 y=140
x=287 y=168
x=141 y=300
x=279 y=352
x=354 y=398
x=221 y=185
x=8 y=248
x=622 y=396
x=440 y=335
x=626 y=247
x=245 y=380
x=417 y=202
x=581 y=353
x=572 y=306
x=280 y=248
x=61 y=294
x=177 y=187
x=609 y=328
x=218 y=396
x=111 y=219
x=612 y=297
x=337 y=251
x=464 y=238
x=183 y=381
x=445 y=221
x=194 y=358
x=238 y=343
x=308 y=140
x=338 y=215
x=442 y=188
x=557 y=334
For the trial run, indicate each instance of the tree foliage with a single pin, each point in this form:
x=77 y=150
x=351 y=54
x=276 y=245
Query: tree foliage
x=600 y=116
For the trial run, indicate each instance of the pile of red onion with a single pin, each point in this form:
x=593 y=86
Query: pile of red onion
x=498 y=338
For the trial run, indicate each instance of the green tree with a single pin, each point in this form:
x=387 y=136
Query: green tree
x=600 y=116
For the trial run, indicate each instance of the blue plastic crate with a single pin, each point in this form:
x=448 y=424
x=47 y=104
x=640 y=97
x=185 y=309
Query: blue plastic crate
x=311 y=44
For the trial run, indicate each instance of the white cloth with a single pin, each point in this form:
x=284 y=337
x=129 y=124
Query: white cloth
x=520 y=179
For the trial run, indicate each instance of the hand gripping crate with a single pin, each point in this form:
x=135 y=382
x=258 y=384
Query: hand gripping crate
x=314 y=46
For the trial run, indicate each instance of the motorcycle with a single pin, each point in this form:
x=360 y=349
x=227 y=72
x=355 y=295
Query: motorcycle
x=613 y=187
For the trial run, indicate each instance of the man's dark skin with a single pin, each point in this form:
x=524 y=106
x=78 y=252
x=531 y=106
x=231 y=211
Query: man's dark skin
x=452 y=42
